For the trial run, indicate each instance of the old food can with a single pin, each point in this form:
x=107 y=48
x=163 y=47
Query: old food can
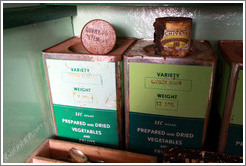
x=167 y=98
x=172 y=35
x=86 y=92
x=230 y=102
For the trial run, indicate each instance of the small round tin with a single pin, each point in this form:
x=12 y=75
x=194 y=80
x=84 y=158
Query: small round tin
x=172 y=36
x=98 y=37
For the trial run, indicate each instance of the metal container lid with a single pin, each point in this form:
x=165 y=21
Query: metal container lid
x=200 y=52
x=74 y=48
x=232 y=50
x=98 y=37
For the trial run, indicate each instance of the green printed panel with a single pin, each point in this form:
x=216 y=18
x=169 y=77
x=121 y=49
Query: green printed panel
x=237 y=108
x=162 y=88
x=234 y=143
x=150 y=134
x=88 y=125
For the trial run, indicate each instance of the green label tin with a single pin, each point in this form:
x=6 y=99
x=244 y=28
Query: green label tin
x=86 y=92
x=167 y=98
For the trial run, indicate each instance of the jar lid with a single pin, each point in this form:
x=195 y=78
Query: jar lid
x=98 y=37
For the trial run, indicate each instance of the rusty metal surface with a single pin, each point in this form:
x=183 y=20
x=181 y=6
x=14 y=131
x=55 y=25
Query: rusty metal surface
x=98 y=37
x=76 y=50
x=232 y=50
x=201 y=53
x=127 y=107
x=120 y=104
x=228 y=107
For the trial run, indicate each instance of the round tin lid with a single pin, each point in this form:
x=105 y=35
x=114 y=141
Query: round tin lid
x=98 y=37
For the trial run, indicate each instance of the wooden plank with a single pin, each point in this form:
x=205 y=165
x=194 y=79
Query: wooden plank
x=55 y=151
x=43 y=147
x=38 y=159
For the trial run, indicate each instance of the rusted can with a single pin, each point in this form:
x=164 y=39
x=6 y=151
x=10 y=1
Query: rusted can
x=230 y=97
x=172 y=35
x=168 y=99
x=85 y=92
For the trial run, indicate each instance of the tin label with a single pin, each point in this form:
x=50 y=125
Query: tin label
x=88 y=125
x=151 y=134
x=176 y=38
x=167 y=112
x=84 y=100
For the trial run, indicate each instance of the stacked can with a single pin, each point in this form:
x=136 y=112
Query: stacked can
x=172 y=35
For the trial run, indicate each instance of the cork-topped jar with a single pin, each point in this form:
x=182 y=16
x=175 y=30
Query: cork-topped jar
x=172 y=36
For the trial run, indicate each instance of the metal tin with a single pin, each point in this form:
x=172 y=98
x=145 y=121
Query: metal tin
x=168 y=99
x=230 y=103
x=172 y=35
x=86 y=92
x=98 y=37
